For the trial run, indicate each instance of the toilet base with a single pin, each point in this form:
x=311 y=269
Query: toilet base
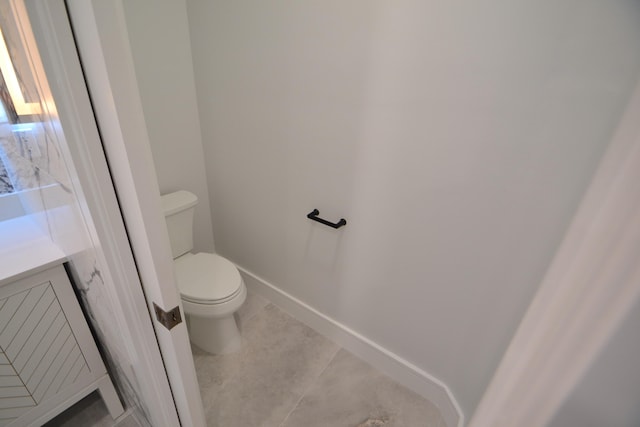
x=215 y=335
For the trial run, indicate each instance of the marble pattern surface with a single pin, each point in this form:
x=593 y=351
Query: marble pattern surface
x=288 y=375
x=89 y=281
x=5 y=183
x=30 y=148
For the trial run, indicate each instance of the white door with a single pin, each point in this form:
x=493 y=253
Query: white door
x=591 y=285
x=137 y=250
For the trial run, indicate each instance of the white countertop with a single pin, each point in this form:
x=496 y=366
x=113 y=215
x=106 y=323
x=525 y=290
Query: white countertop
x=25 y=249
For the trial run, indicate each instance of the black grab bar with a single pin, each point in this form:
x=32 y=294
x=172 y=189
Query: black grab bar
x=313 y=215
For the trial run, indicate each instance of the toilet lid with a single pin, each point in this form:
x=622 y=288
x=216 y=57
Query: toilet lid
x=205 y=277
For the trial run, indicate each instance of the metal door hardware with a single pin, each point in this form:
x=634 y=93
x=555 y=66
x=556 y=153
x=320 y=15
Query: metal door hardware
x=170 y=318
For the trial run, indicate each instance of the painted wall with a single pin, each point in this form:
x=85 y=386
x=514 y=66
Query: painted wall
x=609 y=394
x=455 y=137
x=159 y=36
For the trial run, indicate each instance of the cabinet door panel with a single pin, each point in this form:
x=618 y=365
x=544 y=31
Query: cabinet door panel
x=18 y=391
x=62 y=374
x=50 y=372
x=39 y=346
x=10 y=381
x=44 y=347
x=15 y=399
x=16 y=402
x=9 y=414
x=28 y=320
x=20 y=313
x=48 y=358
x=9 y=307
x=36 y=337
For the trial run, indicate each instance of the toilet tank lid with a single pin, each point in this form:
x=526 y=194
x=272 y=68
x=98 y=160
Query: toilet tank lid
x=177 y=201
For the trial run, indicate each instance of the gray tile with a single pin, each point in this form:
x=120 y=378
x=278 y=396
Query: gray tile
x=261 y=384
x=350 y=393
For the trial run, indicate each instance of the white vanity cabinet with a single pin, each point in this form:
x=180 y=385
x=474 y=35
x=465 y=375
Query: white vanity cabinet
x=48 y=358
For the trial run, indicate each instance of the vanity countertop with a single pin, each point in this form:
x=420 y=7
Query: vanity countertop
x=25 y=249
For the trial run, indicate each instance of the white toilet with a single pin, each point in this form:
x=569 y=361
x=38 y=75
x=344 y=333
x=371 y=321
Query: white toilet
x=210 y=286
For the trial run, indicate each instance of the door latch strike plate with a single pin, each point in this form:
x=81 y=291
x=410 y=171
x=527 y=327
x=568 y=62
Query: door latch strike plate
x=170 y=318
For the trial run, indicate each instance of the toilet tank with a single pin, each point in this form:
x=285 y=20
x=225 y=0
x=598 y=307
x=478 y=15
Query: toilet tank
x=178 y=208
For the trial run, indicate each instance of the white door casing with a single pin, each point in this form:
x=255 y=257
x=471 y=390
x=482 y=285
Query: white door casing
x=103 y=45
x=101 y=42
x=592 y=283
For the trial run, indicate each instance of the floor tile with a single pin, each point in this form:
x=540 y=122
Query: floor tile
x=350 y=393
x=285 y=375
x=258 y=386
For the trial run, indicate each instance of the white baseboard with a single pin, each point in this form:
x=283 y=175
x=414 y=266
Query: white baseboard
x=382 y=359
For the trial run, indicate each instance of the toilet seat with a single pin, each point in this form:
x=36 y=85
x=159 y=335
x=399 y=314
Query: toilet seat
x=206 y=278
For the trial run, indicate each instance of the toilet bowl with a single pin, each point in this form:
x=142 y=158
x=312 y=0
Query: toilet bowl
x=211 y=288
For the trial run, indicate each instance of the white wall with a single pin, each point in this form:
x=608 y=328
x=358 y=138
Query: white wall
x=455 y=137
x=159 y=36
x=609 y=394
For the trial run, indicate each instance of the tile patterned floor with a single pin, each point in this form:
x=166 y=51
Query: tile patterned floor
x=285 y=375
x=288 y=375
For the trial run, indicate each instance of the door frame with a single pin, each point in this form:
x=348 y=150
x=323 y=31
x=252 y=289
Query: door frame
x=128 y=220
x=592 y=283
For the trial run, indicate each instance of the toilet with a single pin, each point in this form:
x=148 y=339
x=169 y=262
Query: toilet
x=211 y=287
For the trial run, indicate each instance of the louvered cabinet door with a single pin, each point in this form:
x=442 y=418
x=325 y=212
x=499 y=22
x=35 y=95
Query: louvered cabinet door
x=48 y=358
